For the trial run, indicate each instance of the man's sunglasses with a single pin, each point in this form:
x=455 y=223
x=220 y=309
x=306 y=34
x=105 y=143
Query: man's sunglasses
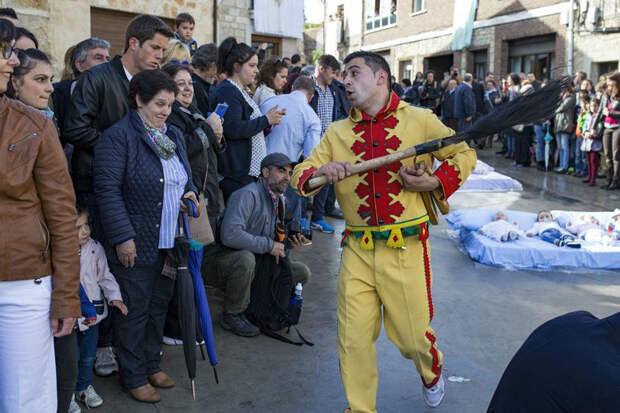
x=8 y=50
x=177 y=61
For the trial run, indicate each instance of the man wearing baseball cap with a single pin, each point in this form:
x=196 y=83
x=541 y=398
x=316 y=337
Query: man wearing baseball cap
x=249 y=226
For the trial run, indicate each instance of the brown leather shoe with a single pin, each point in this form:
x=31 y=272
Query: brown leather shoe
x=145 y=394
x=161 y=380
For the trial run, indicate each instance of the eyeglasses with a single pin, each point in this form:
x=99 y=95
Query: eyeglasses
x=8 y=50
x=177 y=61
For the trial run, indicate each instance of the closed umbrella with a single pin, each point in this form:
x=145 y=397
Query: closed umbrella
x=548 y=138
x=202 y=304
x=185 y=303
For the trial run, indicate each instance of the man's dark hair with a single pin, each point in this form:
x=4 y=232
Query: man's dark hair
x=516 y=79
x=23 y=32
x=374 y=61
x=144 y=27
x=406 y=82
x=330 y=61
x=492 y=81
x=147 y=84
x=205 y=56
x=231 y=52
x=304 y=83
x=7 y=31
x=8 y=12
x=80 y=51
x=583 y=74
x=184 y=18
x=295 y=58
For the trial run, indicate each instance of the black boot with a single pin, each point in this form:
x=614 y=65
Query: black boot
x=540 y=166
x=613 y=186
x=239 y=325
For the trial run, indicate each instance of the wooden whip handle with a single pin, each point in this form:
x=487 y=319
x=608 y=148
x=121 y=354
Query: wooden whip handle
x=364 y=166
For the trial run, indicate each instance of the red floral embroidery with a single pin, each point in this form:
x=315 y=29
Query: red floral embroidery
x=449 y=177
x=377 y=191
x=305 y=175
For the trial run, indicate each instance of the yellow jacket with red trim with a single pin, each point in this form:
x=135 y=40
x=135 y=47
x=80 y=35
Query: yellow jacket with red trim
x=376 y=202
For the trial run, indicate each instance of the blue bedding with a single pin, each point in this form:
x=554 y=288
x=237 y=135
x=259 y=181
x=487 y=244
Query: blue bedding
x=529 y=253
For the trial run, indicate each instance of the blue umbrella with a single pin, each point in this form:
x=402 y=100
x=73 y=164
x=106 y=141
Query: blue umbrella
x=202 y=305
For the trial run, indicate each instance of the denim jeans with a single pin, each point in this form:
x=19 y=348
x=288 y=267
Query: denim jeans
x=552 y=235
x=539 y=134
x=580 y=158
x=511 y=145
x=564 y=146
x=318 y=206
x=87 y=345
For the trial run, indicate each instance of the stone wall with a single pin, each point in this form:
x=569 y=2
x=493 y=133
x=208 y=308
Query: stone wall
x=233 y=19
x=59 y=24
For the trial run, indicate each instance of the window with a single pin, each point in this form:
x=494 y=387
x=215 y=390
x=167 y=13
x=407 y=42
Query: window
x=405 y=69
x=418 y=6
x=480 y=64
x=536 y=55
x=380 y=13
x=605 y=67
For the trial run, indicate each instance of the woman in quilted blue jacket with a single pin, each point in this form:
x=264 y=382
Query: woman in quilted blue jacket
x=141 y=176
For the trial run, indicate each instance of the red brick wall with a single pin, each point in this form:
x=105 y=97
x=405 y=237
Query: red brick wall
x=533 y=27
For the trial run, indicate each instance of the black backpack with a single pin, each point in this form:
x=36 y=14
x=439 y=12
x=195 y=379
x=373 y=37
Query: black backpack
x=272 y=290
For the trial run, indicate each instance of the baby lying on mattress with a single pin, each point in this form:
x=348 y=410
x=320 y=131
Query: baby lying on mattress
x=500 y=229
x=550 y=231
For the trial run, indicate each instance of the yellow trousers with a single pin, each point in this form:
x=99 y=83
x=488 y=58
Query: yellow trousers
x=399 y=279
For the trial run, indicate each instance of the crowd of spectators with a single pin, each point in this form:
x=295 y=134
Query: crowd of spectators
x=98 y=164
x=583 y=138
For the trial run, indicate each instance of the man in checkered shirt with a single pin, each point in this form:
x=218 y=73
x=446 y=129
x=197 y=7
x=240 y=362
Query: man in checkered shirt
x=330 y=106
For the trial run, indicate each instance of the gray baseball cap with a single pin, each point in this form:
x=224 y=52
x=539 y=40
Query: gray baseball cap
x=276 y=159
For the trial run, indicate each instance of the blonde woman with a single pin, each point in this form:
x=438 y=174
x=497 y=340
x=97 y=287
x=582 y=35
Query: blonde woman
x=176 y=52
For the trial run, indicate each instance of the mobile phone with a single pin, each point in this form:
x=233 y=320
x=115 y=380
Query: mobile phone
x=221 y=109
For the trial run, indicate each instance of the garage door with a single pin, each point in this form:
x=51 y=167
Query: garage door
x=110 y=25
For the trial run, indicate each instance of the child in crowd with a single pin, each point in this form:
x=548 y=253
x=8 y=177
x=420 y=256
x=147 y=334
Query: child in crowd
x=550 y=231
x=580 y=155
x=500 y=229
x=591 y=144
x=97 y=284
x=184 y=25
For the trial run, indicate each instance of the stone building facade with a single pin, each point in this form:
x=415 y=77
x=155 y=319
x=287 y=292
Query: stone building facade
x=523 y=35
x=59 y=24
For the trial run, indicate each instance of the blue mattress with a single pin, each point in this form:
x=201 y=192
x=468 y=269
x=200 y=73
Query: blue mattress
x=528 y=253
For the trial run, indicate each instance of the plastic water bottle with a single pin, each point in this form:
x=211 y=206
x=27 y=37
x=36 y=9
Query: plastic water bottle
x=297 y=300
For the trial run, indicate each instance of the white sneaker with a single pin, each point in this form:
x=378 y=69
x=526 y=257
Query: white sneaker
x=169 y=341
x=89 y=397
x=74 y=407
x=105 y=362
x=434 y=395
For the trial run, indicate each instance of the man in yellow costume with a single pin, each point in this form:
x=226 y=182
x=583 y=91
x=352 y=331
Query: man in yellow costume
x=386 y=259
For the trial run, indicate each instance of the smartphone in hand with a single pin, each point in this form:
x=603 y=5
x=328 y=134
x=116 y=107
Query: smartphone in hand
x=221 y=109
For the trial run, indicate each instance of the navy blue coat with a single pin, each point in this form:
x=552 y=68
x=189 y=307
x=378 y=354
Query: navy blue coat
x=238 y=130
x=464 y=102
x=129 y=186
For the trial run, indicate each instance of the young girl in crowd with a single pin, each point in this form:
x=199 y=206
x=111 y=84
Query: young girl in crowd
x=272 y=79
x=591 y=144
x=550 y=231
x=500 y=229
x=100 y=288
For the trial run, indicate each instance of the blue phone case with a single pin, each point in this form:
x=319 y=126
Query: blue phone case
x=221 y=109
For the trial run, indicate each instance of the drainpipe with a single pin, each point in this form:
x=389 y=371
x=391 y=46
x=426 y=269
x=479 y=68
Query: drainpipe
x=571 y=33
x=215 y=21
